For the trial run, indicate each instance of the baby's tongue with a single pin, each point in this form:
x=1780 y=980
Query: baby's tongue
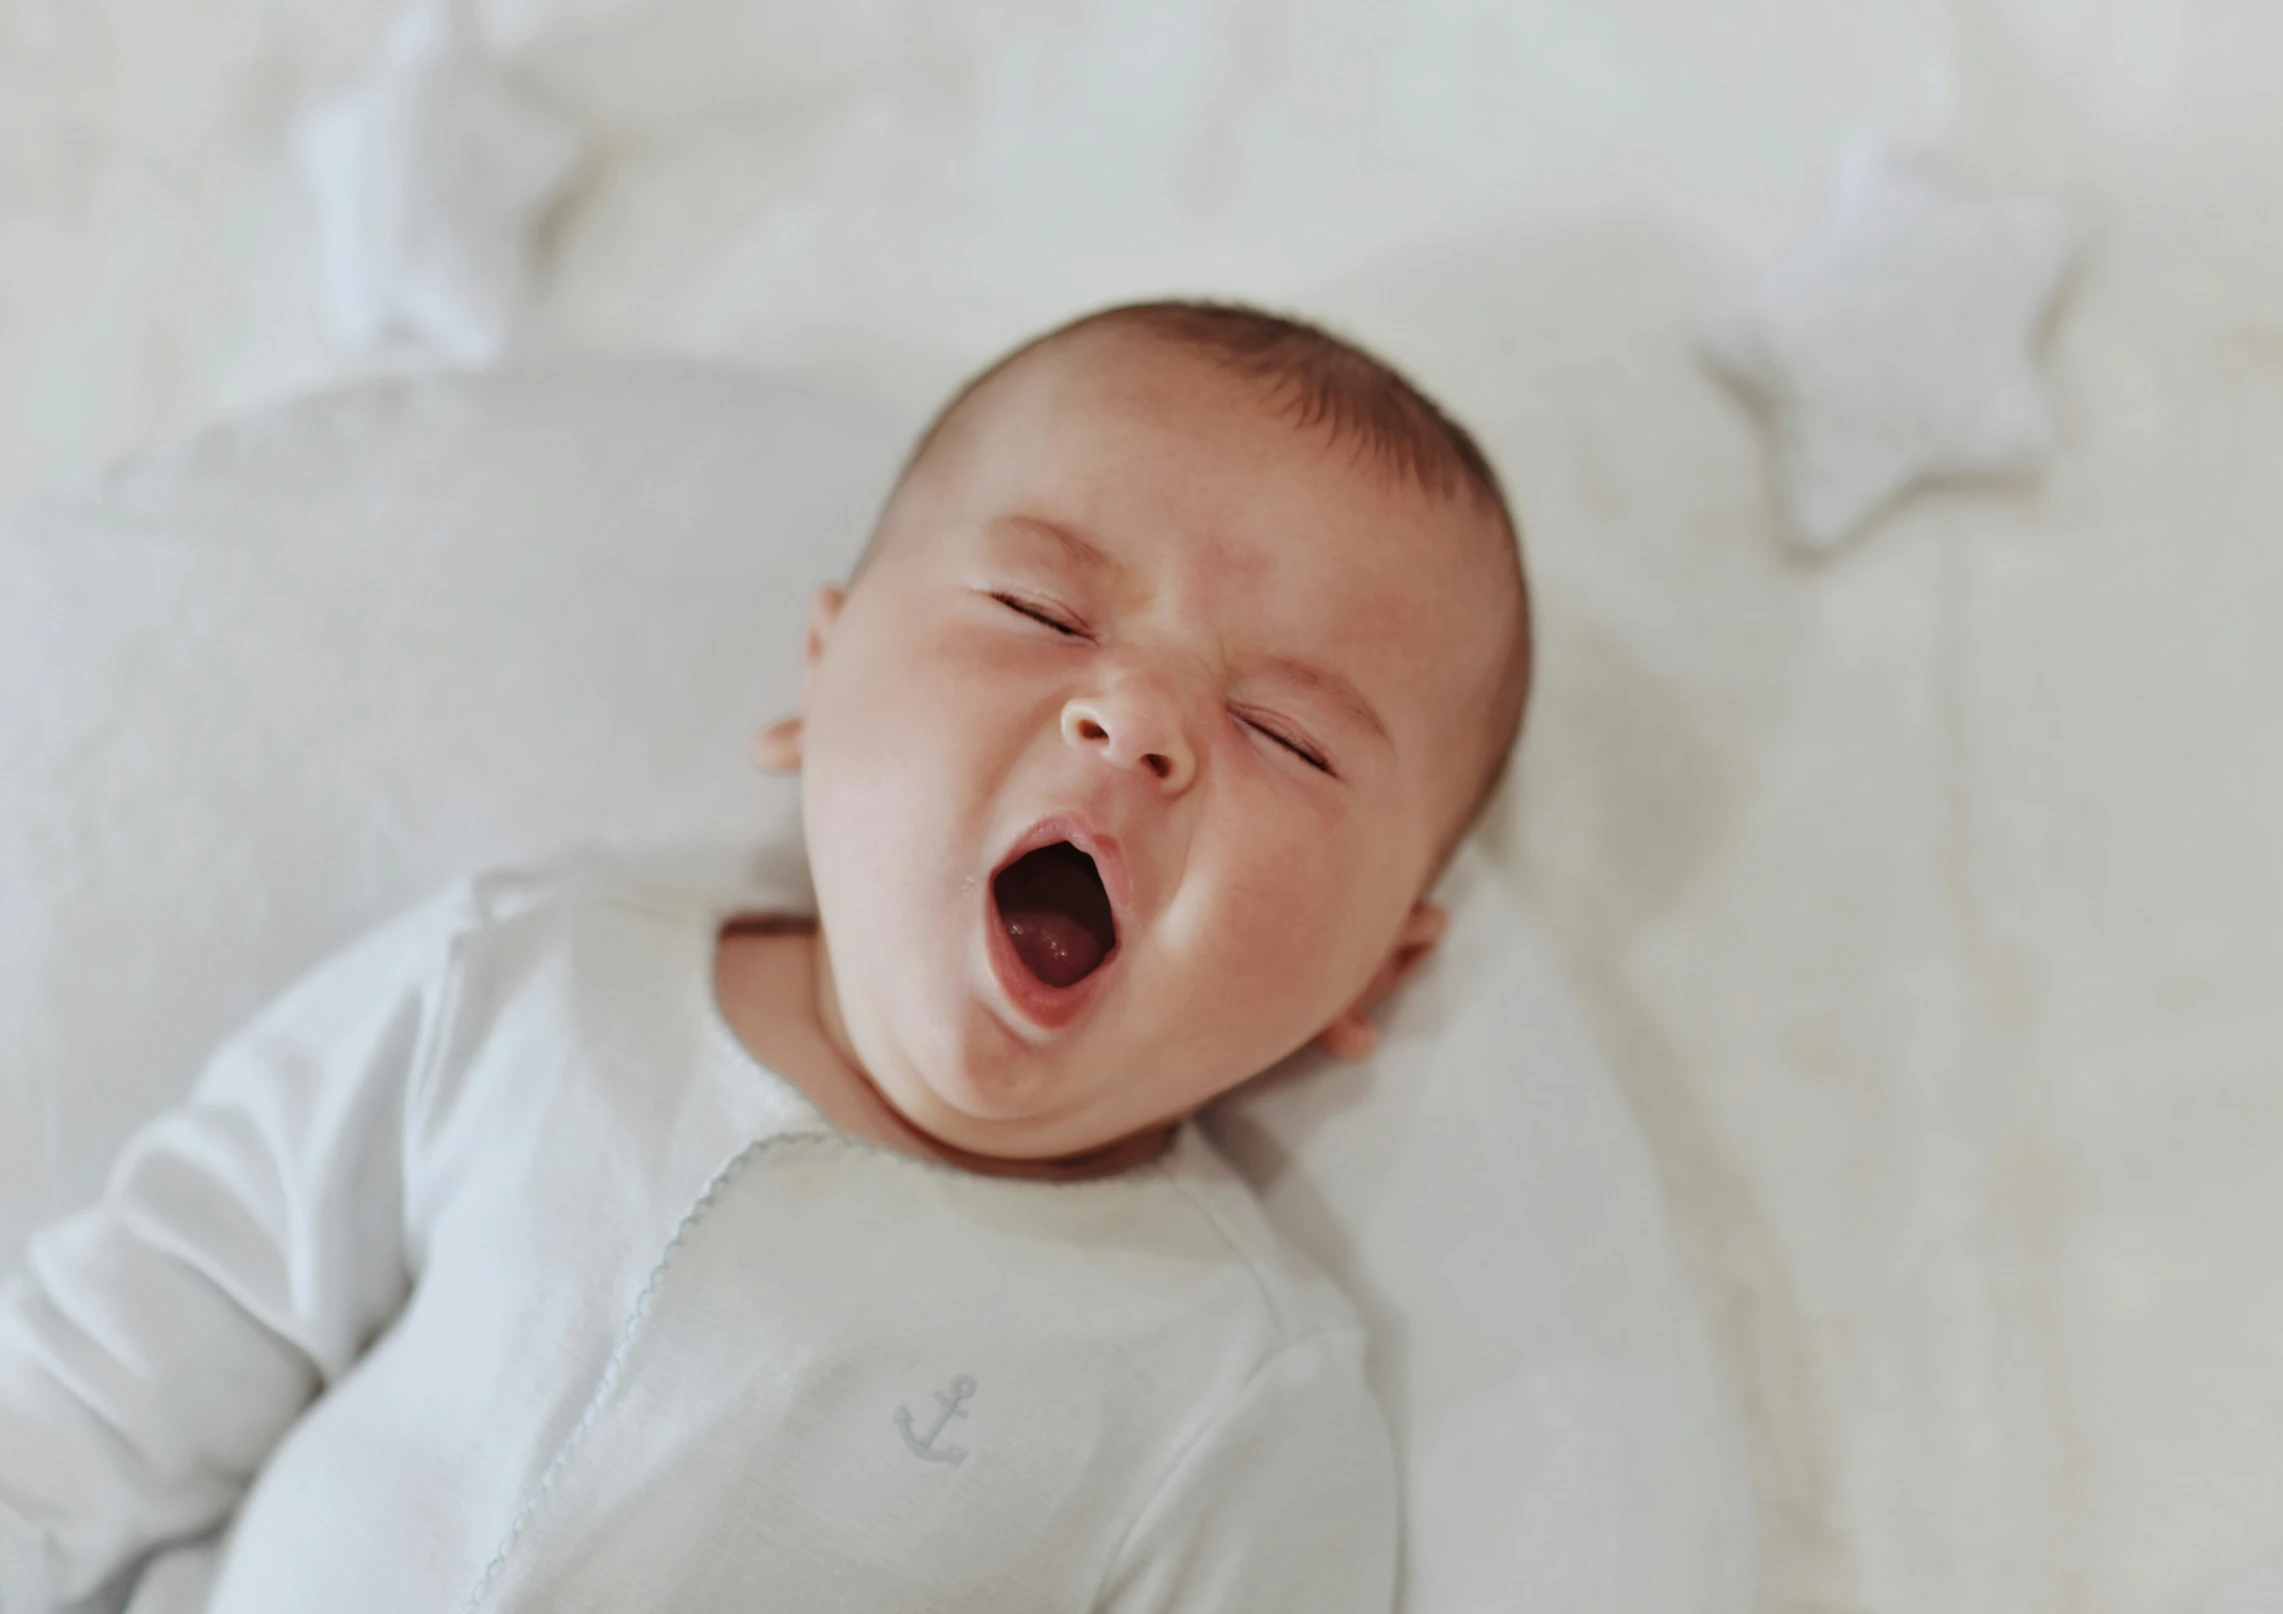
x=1058 y=949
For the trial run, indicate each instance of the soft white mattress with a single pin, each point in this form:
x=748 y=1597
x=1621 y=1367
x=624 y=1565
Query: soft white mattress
x=1925 y=899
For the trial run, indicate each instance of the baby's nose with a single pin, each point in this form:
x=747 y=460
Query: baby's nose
x=1136 y=723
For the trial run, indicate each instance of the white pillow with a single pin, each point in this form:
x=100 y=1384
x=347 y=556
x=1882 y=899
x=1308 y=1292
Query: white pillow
x=261 y=692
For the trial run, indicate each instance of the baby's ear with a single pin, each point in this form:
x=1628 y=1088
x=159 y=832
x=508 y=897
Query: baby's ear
x=824 y=611
x=1352 y=1035
x=777 y=748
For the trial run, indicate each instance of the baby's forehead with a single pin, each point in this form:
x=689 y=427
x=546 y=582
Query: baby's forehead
x=1079 y=377
x=1112 y=409
x=1097 y=392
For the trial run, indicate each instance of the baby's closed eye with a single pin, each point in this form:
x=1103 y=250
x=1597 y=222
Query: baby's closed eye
x=1298 y=748
x=1038 y=613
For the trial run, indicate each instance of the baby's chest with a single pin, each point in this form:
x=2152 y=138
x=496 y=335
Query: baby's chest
x=852 y=1408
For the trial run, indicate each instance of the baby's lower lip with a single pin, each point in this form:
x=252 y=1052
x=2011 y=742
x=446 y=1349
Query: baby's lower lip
x=1049 y=1008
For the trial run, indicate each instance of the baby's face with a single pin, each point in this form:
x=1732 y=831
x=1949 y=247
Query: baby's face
x=1127 y=605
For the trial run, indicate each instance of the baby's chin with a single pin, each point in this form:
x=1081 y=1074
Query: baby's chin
x=996 y=1097
x=1027 y=1107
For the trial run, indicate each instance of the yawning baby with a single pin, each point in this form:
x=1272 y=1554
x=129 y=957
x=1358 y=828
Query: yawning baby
x=577 y=1242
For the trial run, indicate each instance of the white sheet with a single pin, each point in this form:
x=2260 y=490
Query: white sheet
x=1925 y=900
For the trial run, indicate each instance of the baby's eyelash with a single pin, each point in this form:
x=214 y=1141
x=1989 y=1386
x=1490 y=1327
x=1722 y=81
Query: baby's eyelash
x=1025 y=608
x=1293 y=746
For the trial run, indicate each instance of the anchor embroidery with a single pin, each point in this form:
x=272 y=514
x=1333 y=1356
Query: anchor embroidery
x=961 y=1388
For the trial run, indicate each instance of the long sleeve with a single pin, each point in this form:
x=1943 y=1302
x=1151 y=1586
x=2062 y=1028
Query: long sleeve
x=248 y=1246
x=1287 y=1504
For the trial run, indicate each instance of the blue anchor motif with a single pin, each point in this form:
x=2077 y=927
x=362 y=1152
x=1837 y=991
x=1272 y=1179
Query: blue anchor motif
x=961 y=1388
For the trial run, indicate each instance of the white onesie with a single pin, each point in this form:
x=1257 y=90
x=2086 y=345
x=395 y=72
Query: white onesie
x=486 y=1269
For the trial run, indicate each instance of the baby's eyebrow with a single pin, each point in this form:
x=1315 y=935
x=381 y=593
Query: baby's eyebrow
x=1086 y=554
x=1332 y=687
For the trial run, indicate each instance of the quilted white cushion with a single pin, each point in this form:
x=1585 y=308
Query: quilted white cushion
x=259 y=692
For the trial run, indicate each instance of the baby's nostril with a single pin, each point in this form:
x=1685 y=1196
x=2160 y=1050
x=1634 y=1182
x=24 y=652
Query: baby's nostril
x=1091 y=730
x=1158 y=765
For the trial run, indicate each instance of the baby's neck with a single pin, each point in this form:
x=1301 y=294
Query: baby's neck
x=764 y=980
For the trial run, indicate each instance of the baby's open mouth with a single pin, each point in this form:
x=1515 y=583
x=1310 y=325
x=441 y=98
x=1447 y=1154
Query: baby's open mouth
x=1056 y=913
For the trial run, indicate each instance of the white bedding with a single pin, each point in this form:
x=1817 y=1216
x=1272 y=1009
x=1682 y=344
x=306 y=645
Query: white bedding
x=1924 y=900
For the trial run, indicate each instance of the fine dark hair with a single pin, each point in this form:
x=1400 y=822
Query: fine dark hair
x=1327 y=382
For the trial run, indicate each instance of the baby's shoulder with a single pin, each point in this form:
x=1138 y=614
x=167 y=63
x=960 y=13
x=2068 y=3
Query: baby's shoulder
x=587 y=919
x=592 y=882
x=578 y=889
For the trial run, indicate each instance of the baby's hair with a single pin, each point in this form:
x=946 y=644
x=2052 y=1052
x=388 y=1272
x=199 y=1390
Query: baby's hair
x=1326 y=381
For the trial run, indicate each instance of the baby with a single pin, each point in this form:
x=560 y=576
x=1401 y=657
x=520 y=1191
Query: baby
x=577 y=1241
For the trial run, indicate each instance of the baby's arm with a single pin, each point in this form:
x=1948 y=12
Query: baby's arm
x=1288 y=1504
x=248 y=1247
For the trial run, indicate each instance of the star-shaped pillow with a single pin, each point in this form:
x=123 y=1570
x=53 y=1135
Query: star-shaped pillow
x=429 y=173
x=1898 y=346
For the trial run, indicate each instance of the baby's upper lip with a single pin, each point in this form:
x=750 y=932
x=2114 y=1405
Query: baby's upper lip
x=1076 y=827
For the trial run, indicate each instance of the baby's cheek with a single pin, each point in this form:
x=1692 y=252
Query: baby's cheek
x=899 y=720
x=943 y=694
x=1283 y=920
